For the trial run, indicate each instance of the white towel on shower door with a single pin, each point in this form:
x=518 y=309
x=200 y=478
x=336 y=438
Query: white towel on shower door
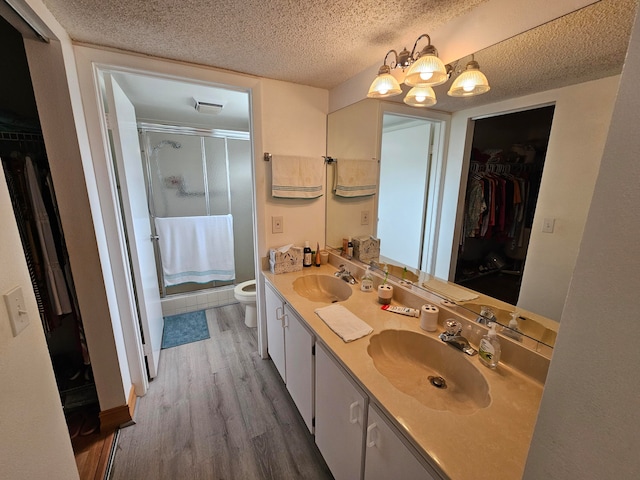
x=196 y=249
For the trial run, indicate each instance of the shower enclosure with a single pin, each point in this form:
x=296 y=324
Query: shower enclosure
x=196 y=172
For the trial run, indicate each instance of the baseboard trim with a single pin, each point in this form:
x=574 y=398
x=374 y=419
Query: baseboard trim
x=114 y=418
x=132 y=401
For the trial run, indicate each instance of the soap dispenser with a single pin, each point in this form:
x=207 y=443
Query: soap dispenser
x=366 y=283
x=489 y=349
x=513 y=331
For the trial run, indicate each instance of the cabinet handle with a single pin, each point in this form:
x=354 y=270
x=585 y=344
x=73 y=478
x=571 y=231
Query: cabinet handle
x=371 y=442
x=279 y=315
x=285 y=319
x=353 y=415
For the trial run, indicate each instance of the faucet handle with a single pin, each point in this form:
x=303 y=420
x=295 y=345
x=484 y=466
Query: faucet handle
x=453 y=327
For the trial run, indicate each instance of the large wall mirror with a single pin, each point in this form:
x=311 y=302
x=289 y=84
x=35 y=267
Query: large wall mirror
x=567 y=68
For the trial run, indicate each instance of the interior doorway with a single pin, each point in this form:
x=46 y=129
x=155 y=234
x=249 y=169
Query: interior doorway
x=505 y=172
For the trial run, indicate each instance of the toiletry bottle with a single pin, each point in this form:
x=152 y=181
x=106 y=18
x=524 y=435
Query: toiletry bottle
x=318 y=261
x=366 y=283
x=306 y=259
x=513 y=331
x=489 y=349
x=349 y=248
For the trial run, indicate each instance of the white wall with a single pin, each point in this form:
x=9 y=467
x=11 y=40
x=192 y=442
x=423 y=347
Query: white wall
x=35 y=441
x=580 y=125
x=294 y=122
x=588 y=421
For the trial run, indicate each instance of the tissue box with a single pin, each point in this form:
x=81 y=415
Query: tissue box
x=286 y=261
x=366 y=248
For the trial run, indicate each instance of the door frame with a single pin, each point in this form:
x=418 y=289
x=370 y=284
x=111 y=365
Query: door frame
x=106 y=185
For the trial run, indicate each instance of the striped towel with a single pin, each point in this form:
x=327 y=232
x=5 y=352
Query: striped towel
x=357 y=178
x=297 y=177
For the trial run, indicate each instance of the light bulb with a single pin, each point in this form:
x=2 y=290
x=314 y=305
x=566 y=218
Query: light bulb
x=469 y=85
x=420 y=98
x=383 y=91
x=426 y=75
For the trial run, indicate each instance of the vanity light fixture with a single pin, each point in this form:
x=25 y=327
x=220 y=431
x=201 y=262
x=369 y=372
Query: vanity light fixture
x=470 y=82
x=425 y=70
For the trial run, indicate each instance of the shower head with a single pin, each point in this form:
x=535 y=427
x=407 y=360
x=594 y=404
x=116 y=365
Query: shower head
x=175 y=145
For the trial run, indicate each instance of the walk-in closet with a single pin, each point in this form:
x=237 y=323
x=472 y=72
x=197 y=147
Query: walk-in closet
x=505 y=172
x=26 y=171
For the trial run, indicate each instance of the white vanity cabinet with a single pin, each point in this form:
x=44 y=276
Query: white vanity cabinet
x=298 y=353
x=275 y=329
x=341 y=409
x=387 y=456
x=290 y=346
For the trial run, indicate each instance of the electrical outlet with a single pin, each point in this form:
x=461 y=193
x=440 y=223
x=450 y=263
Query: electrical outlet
x=277 y=225
x=364 y=217
x=18 y=316
x=548 y=224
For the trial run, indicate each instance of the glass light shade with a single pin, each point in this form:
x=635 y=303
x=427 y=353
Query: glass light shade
x=384 y=85
x=469 y=83
x=427 y=71
x=420 y=97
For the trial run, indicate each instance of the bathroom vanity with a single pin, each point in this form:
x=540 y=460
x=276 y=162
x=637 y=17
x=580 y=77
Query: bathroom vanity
x=370 y=403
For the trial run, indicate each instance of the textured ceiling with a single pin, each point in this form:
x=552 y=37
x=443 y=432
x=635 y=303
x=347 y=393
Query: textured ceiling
x=322 y=43
x=319 y=43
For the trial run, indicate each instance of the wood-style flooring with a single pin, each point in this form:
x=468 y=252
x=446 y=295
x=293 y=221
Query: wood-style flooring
x=217 y=411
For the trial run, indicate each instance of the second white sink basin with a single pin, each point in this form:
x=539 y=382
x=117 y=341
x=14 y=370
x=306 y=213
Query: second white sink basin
x=435 y=374
x=322 y=288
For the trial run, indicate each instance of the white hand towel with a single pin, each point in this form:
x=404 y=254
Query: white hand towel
x=356 y=178
x=344 y=323
x=297 y=177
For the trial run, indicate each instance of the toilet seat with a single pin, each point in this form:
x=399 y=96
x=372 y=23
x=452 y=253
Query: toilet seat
x=245 y=291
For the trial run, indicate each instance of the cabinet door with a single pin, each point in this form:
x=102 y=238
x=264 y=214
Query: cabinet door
x=340 y=418
x=386 y=454
x=275 y=330
x=298 y=345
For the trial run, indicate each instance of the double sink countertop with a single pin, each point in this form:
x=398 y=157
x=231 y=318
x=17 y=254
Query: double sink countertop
x=491 y=442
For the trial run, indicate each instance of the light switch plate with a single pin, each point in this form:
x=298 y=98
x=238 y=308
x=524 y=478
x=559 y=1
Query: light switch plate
x=364 y=217
x=548 y=224
x=18 y=316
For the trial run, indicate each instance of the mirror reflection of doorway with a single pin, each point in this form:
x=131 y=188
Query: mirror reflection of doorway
x=505 y=172
x=405 y=169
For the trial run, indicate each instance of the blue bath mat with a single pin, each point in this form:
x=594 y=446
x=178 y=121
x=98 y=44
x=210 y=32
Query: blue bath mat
x=184 y=328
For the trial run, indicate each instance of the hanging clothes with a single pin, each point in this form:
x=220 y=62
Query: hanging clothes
x=56 y=283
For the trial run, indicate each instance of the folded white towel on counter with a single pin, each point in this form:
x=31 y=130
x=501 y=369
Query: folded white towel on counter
x=196 y=249
x=297 y=177
x=344 y=323
x=356 y=178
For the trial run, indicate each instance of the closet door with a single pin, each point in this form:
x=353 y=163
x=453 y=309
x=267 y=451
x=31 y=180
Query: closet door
x=134 y=205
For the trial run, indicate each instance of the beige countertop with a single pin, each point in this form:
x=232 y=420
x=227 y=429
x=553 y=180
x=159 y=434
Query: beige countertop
x=489 y=443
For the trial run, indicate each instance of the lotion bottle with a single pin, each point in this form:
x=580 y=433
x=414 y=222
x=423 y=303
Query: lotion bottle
x=489 y=349
x=306 y=258
x=349 y=248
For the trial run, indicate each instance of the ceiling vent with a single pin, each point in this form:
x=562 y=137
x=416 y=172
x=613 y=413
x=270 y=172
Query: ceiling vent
x=208 y=108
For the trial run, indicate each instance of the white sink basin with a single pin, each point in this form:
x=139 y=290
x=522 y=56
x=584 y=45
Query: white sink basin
x=437 y=375
x=322 y=288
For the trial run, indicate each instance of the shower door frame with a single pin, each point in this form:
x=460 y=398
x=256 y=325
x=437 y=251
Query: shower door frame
x=202 y=133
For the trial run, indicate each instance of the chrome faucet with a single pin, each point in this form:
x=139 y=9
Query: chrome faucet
x=345 y=275
x=452 y=337
x=486 y=315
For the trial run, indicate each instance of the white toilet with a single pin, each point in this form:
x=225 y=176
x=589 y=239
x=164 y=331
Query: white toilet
x=245 y=293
